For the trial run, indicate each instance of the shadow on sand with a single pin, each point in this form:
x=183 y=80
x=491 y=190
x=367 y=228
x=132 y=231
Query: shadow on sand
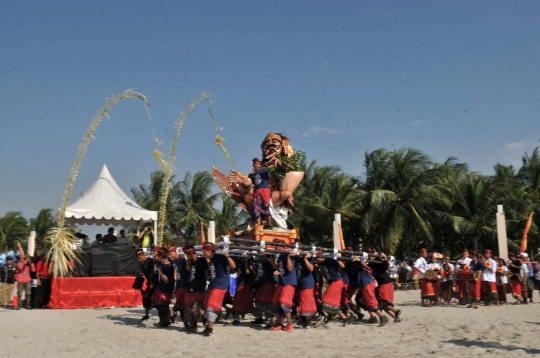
x=495 y=345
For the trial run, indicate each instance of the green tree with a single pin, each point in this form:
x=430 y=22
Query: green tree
x=403 y=186
x=194 y=202
x=13 y=227
x=41 y=224
x=230 y=216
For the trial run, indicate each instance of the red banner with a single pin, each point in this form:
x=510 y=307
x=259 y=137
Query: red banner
x=90 y=292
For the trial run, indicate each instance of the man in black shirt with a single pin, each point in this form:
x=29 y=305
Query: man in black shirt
x=146 y=265
x=514 y=266
x=385 y=286
x=7 y=277
x=110 y=238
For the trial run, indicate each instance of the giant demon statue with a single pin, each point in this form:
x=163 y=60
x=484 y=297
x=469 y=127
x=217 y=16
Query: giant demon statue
x=285 y=176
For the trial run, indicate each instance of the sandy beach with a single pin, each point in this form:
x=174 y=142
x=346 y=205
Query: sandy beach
x=118 y=332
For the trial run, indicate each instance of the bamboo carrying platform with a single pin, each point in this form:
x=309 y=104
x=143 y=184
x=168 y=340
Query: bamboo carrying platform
x=258 y=233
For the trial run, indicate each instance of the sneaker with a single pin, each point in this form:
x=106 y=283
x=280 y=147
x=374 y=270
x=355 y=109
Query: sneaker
x=289 y=327
x=372 y=320
x=346 y=321
x=318 y=321
x=208 y=332
x=384 y=320
x=236 y=322
x=189 y=329
x=145 y=317
x=277 y=327
x=398 y=314
x=257 y=321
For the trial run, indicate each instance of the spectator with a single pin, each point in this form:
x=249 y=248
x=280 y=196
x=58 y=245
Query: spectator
x=24 y=280
x=43 y=292
x=8 y=282
x=110 y=238
x=98 y=241
x=122 y=239
x=146 y=237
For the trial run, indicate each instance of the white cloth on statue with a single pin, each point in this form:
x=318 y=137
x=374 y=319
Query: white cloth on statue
x=489 y=274
x=421 y=265
x=279 y=215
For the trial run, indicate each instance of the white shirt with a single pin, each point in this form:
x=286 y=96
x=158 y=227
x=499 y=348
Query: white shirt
x=524 y=269
x=489 y=274
x=421 y=265
x=447 y=275
x=433 y=266
x=466 y=261
x=503 y=280
x=122 y=241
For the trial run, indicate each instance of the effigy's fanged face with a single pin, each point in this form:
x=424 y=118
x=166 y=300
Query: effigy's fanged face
x=271 y=147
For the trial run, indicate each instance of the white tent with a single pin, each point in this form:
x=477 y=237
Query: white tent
x=104 y=203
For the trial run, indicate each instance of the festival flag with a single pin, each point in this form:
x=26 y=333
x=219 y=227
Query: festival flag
x=202 y=233
x=20 y=250
x=525 y=232
x=341 y=241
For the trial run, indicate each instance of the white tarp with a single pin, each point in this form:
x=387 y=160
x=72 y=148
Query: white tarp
x=104 y=203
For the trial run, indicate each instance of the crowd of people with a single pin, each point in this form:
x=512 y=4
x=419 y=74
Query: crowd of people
x=32 y=278
x=272 y=287
x=476 y=278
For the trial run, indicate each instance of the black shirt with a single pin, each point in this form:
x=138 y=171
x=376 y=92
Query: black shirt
x=516 y=271
x=109 y=239
x=8 y=274
x=379 y=271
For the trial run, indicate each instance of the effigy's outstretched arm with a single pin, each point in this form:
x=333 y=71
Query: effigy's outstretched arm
x=241 y=182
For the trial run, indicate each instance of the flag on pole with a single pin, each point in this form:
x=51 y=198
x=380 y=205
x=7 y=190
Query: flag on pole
x=202 y=233
x=20 y=250
x=525 y=232
x=341 y=241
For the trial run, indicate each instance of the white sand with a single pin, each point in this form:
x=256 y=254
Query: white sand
x=448 y=331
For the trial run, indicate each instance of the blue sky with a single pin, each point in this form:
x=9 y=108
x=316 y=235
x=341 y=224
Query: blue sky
x=339 y=77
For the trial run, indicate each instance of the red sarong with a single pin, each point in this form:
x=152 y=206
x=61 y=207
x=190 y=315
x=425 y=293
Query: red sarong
x=475 y=289
x=490 y=290
x=161 y=298
x=191 y=298
x=242 y=301
x=501 y=289
x=331 y=299
x=264 y=193
x=264 y=297
x=306 y=302
x=180 y=297
x=446 y=288
x=516 y=289
x=368 y=295
x=283 y=296
x=385 y=293
x=214 y=299
x=427 y=289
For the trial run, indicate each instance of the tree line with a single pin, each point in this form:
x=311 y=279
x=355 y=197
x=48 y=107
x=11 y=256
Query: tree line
x=403 y=201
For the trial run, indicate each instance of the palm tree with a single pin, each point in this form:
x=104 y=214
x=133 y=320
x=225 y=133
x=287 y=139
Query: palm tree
x=194 y=202
x=230 y=216
x=13 y=227
x=148 y=197
x=41 y=224
x=403 y=186
x=474 y=207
